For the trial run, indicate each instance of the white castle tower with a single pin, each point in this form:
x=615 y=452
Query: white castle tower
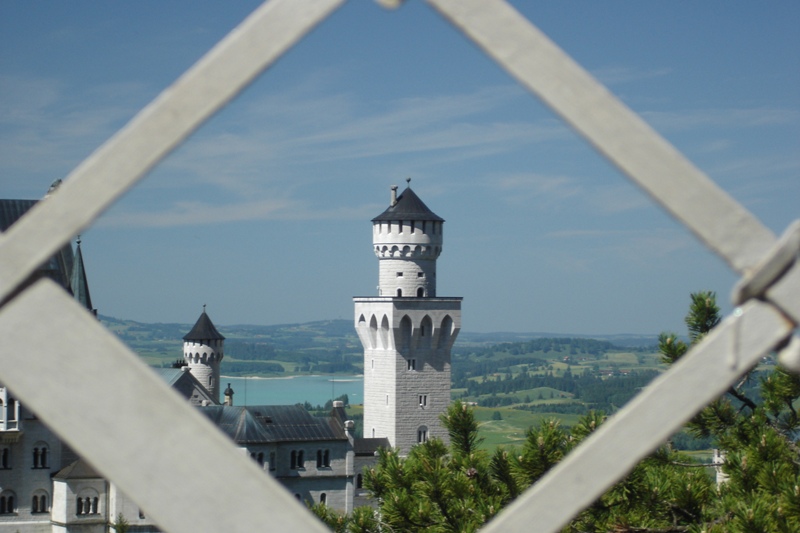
x=203 y=352
x=407 y=332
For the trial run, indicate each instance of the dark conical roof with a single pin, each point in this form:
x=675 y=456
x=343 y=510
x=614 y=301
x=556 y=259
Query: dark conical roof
x=408 y=207
x=203 y=330
x=78 y=283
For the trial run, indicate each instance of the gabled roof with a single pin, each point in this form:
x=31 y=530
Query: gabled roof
x=363 y=447
x=203 y=330
x=185 y=384
x=408 y=207
x=78 y=282
x=80 y=469
x=255 y=424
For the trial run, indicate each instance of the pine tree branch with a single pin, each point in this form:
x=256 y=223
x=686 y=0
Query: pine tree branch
x=742 y=398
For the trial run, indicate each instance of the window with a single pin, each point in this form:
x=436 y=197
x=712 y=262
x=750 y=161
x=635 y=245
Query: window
x=260 y=459
x=412 y=364
x=87 y=505
x=293 y=461
x=323 y=498
x=399 y=274
x=399 y=293
x=141 y=514
x=420 y=274
x=39 y=502
x=372 y=363
x=323 y=458
x=300 y=461
x=272 y=461
x=423 y=400
x=5 y=458
x=387 y=399
x=40 y=456
x=359 y=481
x=420 y=292
x=422 y=434
x=8 y=503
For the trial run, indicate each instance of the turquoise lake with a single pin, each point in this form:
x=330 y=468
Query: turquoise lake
x=297 y=389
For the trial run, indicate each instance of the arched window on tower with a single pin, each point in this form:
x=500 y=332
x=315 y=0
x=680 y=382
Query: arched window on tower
x=420 y=292
x=425 y=332
x=399 y=293
x=405 y=333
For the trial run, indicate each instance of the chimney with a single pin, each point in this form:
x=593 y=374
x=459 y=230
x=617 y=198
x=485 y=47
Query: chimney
x=228 y=396
x=394 y=196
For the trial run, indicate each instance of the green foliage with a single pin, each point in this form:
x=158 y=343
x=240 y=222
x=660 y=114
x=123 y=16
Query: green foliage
x=122 y=525
x=362 y=520
x=455 y=489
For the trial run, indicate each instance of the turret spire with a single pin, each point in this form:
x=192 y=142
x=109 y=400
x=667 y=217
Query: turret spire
x=79 y=285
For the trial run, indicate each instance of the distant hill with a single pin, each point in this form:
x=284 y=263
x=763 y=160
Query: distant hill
x=324 y=346
x=310 y=334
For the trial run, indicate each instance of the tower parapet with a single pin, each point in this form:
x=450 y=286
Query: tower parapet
x=407 y=239
x=203 y=350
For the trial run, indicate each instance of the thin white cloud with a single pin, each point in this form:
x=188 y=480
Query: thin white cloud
x=716 y=118
x=521 y=188
x=198 y=213
x=618 y=75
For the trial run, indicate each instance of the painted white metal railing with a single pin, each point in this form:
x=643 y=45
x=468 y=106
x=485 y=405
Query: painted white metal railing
x=110 y=408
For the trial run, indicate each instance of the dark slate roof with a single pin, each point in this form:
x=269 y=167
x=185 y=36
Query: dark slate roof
x=256 y=424
x=80 y=469
x=59 y=267
x=408 y=207
x=12 y=210
x=184 y=383
x=369 y=446
x=203 y=330
x=78 y=282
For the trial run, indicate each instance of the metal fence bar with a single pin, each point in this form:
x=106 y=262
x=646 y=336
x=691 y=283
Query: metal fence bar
x=691 y=197
x=154 y=132
x=193 y=480
x=114 y=411
x=613 y=129
x=702 y=375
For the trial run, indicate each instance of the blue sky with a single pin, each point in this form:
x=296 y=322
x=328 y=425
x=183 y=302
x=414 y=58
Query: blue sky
x=264 y=213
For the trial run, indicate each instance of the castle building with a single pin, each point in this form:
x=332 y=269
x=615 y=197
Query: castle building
x=407 y=331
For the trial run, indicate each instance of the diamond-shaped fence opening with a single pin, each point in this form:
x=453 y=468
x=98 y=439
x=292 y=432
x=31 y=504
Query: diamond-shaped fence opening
x=192 y=481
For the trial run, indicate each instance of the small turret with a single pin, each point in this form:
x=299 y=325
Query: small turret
x=203 y=349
